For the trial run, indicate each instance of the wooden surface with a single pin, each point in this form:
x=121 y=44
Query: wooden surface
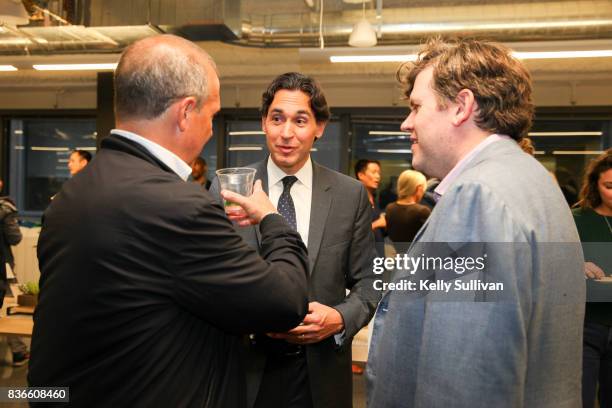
x=21 y=326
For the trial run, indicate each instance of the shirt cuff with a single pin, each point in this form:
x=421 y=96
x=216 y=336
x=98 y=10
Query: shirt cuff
x=339 y=338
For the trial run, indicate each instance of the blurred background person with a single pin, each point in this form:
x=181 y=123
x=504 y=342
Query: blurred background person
x=369 y=174
x=406 y=216
x=389 y=193
x=78 y=160
x=568 y=184
x=199 y=172
x=593 y=217
x=10 y=235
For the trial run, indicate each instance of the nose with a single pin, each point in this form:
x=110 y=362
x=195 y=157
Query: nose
x=408 y=123
x=287 y=130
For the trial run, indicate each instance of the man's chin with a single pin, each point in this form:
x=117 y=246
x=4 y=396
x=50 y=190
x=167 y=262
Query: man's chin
x=282 y=161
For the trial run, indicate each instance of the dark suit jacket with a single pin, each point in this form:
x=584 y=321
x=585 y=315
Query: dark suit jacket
x=145 y=285
x=340 y=250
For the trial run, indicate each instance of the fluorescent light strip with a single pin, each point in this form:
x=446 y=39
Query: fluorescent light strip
x=314 y=149
x=372 y=58
x=245 y=148
x=19 y=147
x=90 y=149
x=74 y=67
x=62 y=160
x=18 y=132
x=577 y=152
x=513 y=25
x=538 y=134
x=517 y=54
x=49 y=149
x=562 y=54
x=247 y=133
x=393 y=151
x=7 y=68
x=538 y=152
x=388 y=133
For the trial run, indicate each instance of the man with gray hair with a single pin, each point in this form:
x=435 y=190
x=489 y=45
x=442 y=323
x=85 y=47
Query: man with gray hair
x=145 y=284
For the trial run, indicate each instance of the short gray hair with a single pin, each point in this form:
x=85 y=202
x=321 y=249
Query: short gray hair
x=153 y=73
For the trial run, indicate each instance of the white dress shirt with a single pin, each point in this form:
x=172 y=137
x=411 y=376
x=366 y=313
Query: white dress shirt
x=164 y=155
x=301 y=193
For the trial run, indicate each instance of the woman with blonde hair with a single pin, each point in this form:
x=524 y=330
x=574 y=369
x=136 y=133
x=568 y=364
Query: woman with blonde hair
x=406 y=216
x=593 y=219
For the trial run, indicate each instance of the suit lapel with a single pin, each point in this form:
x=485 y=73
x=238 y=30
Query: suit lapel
x=261 y=174
x=319 y=210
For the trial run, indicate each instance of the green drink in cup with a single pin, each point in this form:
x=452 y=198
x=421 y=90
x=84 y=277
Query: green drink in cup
x=236 y=179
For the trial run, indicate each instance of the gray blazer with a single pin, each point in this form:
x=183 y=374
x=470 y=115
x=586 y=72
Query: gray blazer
x=341 y=249
x=520 y=347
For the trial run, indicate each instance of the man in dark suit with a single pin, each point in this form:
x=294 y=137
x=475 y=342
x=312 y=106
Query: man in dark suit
x=310 y=365
x=145 y=284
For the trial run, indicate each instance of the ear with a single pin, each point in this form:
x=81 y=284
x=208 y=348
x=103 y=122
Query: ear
x=320 y=129
x=263 y=125
x=181 y=111
x=464 y=107
x=420 y=190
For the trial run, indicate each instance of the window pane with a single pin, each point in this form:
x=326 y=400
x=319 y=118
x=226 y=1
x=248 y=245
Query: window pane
x=39 y=154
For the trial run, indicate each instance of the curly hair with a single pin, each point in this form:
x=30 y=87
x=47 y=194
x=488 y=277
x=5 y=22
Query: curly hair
x=500 y=83
x=589 y=193
x=294 y=81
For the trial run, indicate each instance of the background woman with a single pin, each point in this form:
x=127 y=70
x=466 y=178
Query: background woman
x=406 y=216
x=594 y=221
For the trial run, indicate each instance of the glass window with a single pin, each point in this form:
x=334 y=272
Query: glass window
x=385 y=142
x=38 y=158
x=566 y=147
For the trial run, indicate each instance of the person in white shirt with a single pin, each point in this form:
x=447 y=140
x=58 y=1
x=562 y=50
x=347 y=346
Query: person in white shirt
x=310 y=365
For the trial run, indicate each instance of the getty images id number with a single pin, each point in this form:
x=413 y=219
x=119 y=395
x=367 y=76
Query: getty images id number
x=35 y=394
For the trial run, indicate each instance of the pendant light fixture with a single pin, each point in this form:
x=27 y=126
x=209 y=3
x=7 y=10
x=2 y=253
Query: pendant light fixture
x=13 y=13
x=363 y=34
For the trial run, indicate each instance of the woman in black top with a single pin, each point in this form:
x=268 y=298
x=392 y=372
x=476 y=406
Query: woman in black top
x=405 y=216
x=594 y=222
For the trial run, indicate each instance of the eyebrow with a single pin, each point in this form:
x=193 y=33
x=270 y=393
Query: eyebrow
x=300 y=112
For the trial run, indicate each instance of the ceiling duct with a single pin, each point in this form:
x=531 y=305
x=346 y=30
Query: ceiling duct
x=508 y=22
x=197 y=20
x=108 y=26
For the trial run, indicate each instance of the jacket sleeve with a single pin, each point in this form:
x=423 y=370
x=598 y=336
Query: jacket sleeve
x=223 y=280
x=11 y=231
x=359 y=306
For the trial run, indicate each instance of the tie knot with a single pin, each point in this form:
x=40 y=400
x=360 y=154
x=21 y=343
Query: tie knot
x=288 y=181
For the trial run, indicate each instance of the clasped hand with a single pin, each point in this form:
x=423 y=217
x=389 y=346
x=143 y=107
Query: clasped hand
x=320 y=323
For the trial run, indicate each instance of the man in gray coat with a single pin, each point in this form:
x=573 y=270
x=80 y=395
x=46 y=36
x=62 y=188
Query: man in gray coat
x=488 y=311
x=310 y=366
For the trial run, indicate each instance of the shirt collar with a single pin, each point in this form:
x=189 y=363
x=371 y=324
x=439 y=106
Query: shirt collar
x=460 y=166
x=170 y=159
x=276 y=174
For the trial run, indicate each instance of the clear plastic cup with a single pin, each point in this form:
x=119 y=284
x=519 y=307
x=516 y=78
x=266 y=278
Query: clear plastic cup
x=236 y=179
